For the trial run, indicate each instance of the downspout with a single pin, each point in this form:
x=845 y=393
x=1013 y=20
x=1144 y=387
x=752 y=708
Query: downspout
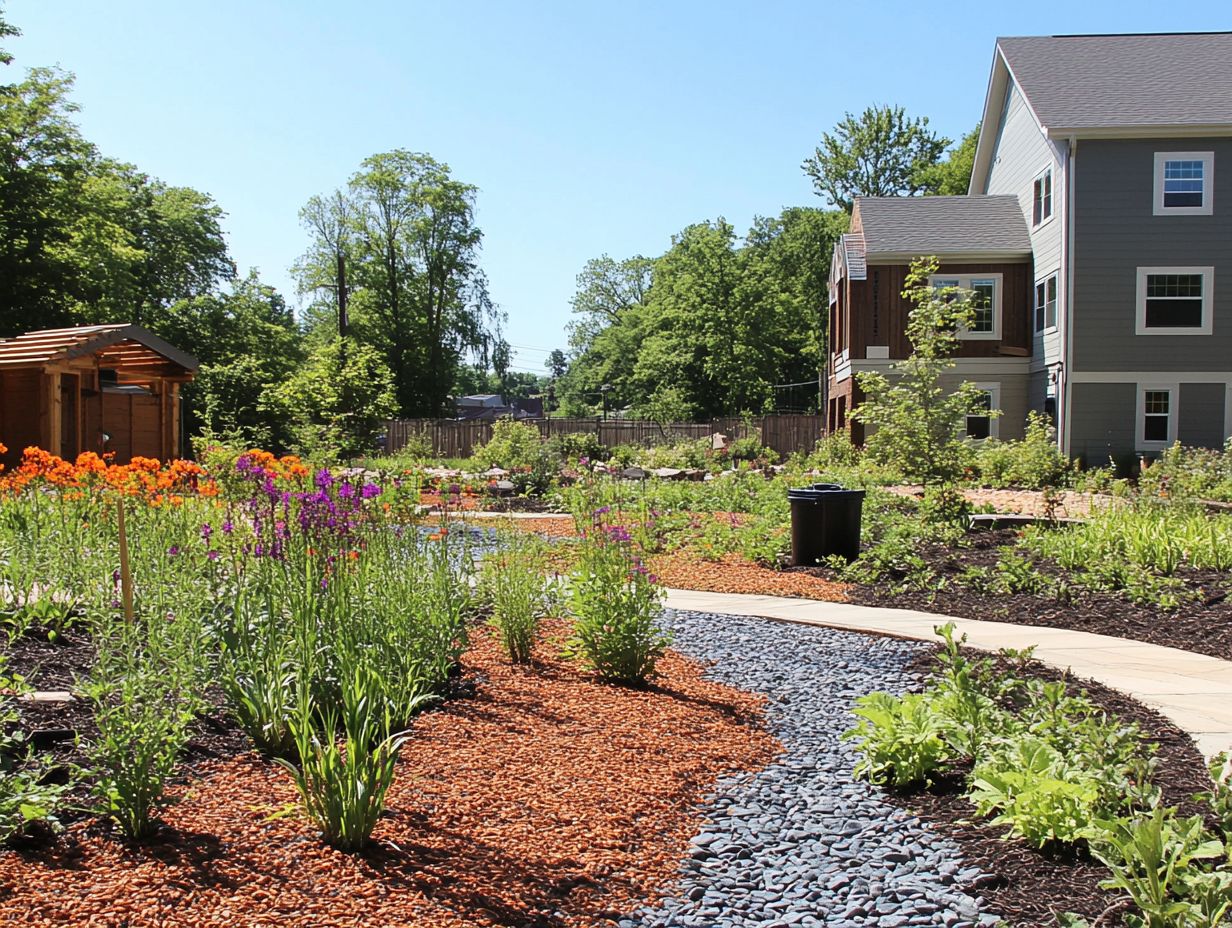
x=1067 y=268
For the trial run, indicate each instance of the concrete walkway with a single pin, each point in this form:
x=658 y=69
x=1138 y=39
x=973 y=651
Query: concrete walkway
x=1193 y=690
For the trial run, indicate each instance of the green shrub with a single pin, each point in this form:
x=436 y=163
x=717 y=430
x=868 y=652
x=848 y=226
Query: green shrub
x=1033 y=463
x=575 y=445
x=513 y=444
x=1190 y=473
x=616 y=608
x=899 y=738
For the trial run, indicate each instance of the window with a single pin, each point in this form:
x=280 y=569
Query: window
x=1046 y=304
x=1184 y=183
x=1156 y=429
x=985 y=304
x=983 y=424
x=1042 y=198
x=1174 y=300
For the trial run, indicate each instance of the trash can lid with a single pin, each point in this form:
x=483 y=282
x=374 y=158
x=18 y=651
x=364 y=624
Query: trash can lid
x=821 y=491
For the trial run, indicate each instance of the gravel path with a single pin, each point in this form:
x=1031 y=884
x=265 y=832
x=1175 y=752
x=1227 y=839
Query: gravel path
x=801 y=843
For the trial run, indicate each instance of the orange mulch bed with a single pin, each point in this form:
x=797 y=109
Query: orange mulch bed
x=547 y=798
x=735 y=574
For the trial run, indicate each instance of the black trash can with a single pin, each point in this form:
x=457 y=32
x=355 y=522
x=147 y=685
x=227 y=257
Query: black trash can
x=825 y=520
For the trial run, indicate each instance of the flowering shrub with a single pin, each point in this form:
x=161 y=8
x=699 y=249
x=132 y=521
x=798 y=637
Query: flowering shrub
x=616 y=605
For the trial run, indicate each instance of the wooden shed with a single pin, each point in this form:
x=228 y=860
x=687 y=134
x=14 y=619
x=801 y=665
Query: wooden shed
x=103 y=388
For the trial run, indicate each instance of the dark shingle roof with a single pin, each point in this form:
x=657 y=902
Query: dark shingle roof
x=1124 y=81
x=944 y=226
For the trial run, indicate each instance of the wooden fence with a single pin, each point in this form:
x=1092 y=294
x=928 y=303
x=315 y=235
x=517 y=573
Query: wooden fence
x=452 y=438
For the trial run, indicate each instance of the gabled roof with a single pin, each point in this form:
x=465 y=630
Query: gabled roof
x=122 y=346
x=971 y=227
x=1077 y=83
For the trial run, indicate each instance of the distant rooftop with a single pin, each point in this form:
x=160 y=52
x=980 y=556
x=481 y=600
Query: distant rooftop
x=910 y=227
x=1077 y=82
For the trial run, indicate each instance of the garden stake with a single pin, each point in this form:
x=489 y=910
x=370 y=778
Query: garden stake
x=126 y=577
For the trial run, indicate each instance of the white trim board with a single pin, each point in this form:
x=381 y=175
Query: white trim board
x=1150 y=377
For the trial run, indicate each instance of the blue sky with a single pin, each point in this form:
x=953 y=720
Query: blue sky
x=589 y=128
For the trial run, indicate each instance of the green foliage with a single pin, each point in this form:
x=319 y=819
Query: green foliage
x=514 y=582
x=708 y=328
x=880 y=153
x=338 y=400
x=1033 y=463
x=403 y=233
x=575 y=445
x=899 y=738
x=1190 y=473
x=952 y=176
x=519 y=448
x=1028 y=785
x=917 y=418
x=26 y=796
x=143 y=725
x=1157 y=860
x=343 y=783
x=616 y=606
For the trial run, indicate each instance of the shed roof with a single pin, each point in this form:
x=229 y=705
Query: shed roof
x=121 y=346
x=1084 y=82
x=954 y=226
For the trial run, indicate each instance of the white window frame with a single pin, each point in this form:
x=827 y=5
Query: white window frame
x=1055 y=276
x=994 y=405
x=1174 y=398
x=1208 y=183
x=1052 y=197
x=1208 y=289
x=964 y=283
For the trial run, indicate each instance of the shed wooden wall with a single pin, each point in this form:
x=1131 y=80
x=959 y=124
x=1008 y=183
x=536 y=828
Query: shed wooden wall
x=20 y=405
x=134 y=423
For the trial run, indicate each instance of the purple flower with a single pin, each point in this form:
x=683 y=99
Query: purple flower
x=173 y=551
x=583 y=461
x=603 y=510
x=212 y=555
x=369 y=490
x=619 y=533
x=227 y=527
x=206 y=532
x=324 y=480
x=346 y=491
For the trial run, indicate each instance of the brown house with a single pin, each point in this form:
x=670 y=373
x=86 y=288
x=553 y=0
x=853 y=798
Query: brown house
x=982 y=245
x=103 y=388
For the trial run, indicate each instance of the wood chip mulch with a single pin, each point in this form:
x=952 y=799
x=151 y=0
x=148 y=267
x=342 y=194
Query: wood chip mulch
x=546 y=798
x=736 y=574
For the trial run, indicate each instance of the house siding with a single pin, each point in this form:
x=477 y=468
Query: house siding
x=1116 y=232
x=1102 y=423
x=1021 y=154
x=1201 y=415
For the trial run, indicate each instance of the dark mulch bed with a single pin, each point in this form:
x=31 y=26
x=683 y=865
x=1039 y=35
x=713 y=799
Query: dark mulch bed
x=1029 y=888
x=1203 y=626
x=62 y=731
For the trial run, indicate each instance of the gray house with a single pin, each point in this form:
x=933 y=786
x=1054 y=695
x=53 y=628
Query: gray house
x=1111 y=144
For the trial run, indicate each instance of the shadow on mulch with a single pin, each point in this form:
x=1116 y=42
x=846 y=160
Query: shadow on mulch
x=1025 y=886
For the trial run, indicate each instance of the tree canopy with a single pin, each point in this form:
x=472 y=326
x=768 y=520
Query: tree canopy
x=711 y=326
x=880 y=153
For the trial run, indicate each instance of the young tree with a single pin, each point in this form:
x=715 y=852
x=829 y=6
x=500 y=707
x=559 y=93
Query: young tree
x=557 y=363
x=918 y=420
x=880 y=153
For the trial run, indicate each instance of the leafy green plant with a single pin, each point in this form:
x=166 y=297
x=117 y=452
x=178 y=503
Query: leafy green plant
x=25 y=795
x=1155 y=857
x=142 y=728
x=616 y=606
x=343 y=782
x=515 y=582
x=1027 y=786
x=1034 y=463
x=899 y=739
x=257 y=674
